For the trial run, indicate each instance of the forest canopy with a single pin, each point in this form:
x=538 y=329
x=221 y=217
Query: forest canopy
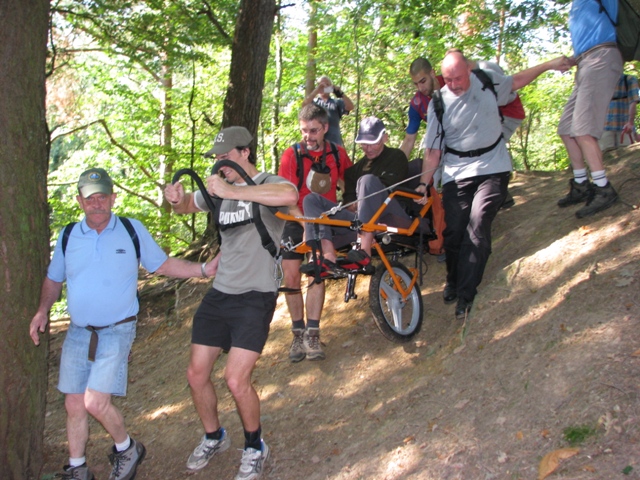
x=138 y=87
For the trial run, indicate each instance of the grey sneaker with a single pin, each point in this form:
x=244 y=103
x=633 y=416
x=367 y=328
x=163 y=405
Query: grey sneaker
x=600 y=198
x=78 y=473
x=578 y=193
x=312 y=345
x=125 y=463
x=206 y=450
x=252 y=463
x=297 y=351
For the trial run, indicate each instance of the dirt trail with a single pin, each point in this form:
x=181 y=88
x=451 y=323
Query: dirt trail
x=551 y=348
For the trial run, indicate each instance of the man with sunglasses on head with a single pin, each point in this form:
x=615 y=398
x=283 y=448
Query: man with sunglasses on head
x=314 y=165
x=236 y=313
x=98 y=258
x=365 y=191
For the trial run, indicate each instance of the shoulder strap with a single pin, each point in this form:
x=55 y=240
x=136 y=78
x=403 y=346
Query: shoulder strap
x=438 y=108
x=485 y=79
x=132 y=233
x=267 y=242
x=296 y=149
x=336 y=155
x=604 y=9
x=65 y=236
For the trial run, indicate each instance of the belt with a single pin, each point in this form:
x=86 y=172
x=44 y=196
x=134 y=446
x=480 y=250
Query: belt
x=582 y=56
x=93 y=343
x=473 y=153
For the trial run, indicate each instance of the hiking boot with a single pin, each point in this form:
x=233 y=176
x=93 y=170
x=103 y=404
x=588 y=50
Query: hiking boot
x=252 y=463
x=312 y=345
x=81 y=472
x=449 y=294
x=600 y=198
x=578 y=193
x=126 y=462
x=297 y=351
x=463 y=307
x=206 y=450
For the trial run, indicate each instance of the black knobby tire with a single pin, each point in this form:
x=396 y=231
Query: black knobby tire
x=408 y=318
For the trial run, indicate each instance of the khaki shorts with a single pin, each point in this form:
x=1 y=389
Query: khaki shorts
x=586 y=110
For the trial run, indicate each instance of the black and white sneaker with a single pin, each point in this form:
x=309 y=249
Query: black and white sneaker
x=206 y=450
x=252 y=464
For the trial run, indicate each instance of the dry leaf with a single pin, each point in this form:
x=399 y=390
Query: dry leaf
x=551 y=460
x=520 y=435
x=584 y=230
x=545 y=433
x=636 y=353
x=409 y=439
x=589 y=468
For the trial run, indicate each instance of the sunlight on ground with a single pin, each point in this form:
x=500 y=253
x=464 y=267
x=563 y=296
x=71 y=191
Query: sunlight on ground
x=552 y=263
x=168 y=410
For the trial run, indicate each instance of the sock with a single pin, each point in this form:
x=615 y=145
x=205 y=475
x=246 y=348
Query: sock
x=599 y=178
x=313 y=323
x=298 y=324
x=121 y=447
x=580 y=175
x=253 y=439
x=76 y=462
x=217 y=435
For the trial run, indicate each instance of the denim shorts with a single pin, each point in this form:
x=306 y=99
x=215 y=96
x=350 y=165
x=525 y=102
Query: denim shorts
x=108 y=373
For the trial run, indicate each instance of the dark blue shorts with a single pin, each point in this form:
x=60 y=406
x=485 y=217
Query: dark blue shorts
x=226 y=320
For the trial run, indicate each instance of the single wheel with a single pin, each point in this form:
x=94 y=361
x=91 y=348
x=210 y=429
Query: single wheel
x=398 y=320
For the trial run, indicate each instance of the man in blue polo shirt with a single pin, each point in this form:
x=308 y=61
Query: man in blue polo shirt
x=100 y=266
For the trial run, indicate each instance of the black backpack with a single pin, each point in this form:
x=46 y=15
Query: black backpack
x=125 y=222
x=627 y=28
x=300 y=156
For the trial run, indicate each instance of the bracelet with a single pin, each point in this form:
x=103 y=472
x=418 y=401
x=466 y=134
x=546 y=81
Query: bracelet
x=423 y=184
x=204 y=273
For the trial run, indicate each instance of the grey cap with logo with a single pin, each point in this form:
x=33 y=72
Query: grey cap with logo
x=95 y=180
x=228 y=139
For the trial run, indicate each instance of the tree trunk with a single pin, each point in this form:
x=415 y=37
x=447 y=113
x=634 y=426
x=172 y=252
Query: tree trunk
x=24 y=234
x=249 y=56
x=312 y=44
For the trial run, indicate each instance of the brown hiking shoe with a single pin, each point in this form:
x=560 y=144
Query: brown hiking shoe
x=600 y=198
x=578 y=193
x=297 y=351
x=312 y=345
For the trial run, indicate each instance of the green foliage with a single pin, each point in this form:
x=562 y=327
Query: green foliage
x=137 y=86
x=577 y=435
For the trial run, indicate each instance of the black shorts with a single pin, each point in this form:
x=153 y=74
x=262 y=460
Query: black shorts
x=224 y=320
x=293 y=233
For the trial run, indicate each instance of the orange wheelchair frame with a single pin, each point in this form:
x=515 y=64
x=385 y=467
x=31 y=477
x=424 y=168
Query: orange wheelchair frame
x=394 y=291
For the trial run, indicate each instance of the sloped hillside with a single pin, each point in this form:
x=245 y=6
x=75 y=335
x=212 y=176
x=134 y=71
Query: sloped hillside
x=550 y=355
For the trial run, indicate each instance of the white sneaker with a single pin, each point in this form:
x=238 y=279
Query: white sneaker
x=206 y=450
x=252 y=463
